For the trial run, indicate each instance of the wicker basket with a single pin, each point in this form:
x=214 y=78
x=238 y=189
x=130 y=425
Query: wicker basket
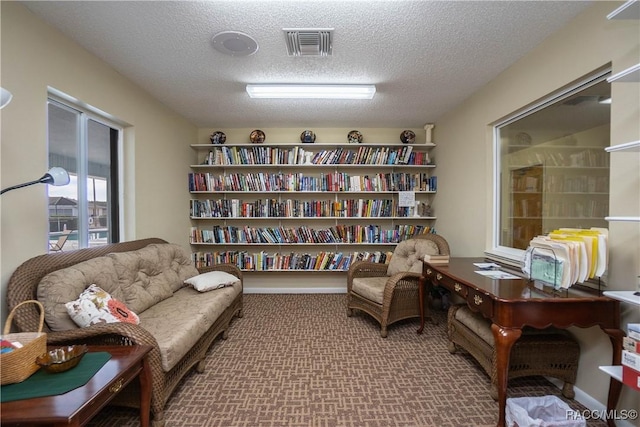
x=20 y=364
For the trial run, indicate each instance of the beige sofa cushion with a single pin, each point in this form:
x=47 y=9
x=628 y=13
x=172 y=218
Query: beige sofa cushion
x=176 y=259
x=151 y=274
x=61 y=286
x=178 y=323
x=138 y=278
x=409 y=254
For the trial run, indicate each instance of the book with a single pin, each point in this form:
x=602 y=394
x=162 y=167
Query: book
x=633 y=330
x=437 y=259
x=631 y=359
x=434 y=258
x=631 y=377
x=630 y=344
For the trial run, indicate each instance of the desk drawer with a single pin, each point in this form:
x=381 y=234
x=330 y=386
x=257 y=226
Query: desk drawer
x=451 y=284
x=478 y=301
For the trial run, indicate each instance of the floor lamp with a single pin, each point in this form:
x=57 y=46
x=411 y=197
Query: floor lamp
x=55 y=176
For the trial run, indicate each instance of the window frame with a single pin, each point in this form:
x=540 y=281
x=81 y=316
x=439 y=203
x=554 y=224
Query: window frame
x=505 y=254
x=115 y=201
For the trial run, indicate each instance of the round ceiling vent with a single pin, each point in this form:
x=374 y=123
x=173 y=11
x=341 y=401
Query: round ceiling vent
x=234 y=43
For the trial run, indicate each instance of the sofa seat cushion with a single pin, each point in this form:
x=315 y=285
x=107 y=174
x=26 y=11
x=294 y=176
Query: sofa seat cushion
x=371 y=288
x=409 y=254
x=62 y=286
x=178 y=322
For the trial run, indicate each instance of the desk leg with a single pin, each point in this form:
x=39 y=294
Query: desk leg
x=615 y=386
x=504 y=339
x=422 y=284
x=145 y=393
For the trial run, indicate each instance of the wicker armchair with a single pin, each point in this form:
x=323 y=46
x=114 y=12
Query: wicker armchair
x=389 y=293
x=23 y=286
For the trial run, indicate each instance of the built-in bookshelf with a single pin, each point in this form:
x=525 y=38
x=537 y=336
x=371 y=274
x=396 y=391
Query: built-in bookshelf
x=307 y=207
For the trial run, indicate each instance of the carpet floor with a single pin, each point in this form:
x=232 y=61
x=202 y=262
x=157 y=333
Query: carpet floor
x=298 y=360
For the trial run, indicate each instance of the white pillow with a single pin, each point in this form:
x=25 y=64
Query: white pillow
x=95 y=305
x=212 y=280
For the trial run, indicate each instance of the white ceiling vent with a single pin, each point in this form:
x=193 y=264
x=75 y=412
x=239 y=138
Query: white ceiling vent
x=309 y=41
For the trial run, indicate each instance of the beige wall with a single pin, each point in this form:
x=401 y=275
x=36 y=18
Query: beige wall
x=464 y=198
x=35 y=56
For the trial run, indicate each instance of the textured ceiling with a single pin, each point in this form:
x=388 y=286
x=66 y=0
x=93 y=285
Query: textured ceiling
x=425 y=57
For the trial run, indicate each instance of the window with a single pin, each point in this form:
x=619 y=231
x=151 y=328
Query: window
x=551 y=168
x=86 y=145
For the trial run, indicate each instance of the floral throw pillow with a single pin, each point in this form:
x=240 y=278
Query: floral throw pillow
x=95 y=305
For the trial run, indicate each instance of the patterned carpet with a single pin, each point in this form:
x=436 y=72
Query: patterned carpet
x=298 y=360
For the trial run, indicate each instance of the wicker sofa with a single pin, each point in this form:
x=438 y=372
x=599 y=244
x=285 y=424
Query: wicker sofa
x=161 y=324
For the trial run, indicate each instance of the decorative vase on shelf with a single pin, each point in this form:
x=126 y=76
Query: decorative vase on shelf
x=408 y=137
x=308 y=136
x=354 y=137
x=218 y=137
x=257 y=136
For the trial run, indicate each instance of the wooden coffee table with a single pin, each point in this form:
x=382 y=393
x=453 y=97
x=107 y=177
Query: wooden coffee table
x=77 y=407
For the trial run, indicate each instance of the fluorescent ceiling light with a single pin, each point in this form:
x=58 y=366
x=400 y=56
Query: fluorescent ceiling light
x=311 y=91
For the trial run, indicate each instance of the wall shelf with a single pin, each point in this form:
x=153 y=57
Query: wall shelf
x=613 y=371
x=633 y=146
x=629 y=10
x=259 y=192
x=622 y=218
x=630 y=75
x=624 y=296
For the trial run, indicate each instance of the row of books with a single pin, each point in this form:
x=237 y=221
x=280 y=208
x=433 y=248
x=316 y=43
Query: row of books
x=364 y=155
x=576 y=183
x=263 y=261
x=554 y=182
x=595 y=157
x=335 y=234
x=274 y=208
x=631 y=356
x=567 y=256
x=337 y=181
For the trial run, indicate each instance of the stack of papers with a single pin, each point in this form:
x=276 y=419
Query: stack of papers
x=567 y=256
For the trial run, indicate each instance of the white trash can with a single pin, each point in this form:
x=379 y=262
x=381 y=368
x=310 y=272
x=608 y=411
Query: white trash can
x=541 y=411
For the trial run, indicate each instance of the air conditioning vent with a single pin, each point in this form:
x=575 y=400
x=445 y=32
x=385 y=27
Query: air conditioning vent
x=309 y=41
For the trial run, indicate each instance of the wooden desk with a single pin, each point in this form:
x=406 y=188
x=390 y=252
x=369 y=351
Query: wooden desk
x=513 y=304
x=78 y=406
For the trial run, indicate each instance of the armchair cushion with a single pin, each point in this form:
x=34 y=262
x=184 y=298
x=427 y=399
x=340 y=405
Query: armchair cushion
x=371 y=288
x=409 y=254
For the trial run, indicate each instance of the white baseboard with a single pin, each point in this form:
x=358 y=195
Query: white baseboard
x=590 y=403
x=341 y=290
